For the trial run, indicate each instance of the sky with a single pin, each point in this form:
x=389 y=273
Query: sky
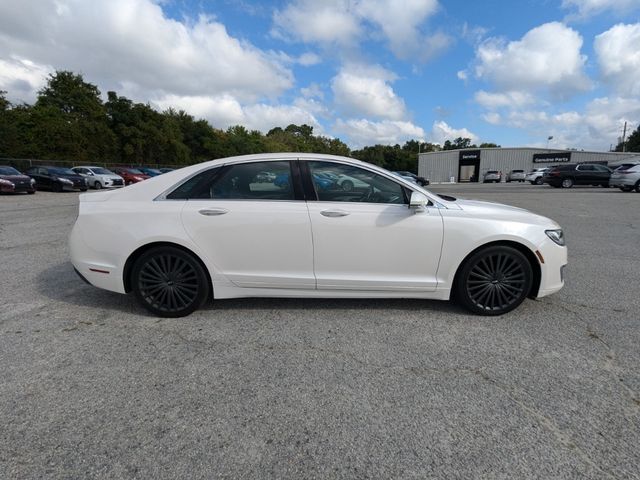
x=513 y=72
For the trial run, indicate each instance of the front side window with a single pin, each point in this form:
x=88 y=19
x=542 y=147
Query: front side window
x=244 y=181
x=336 y=182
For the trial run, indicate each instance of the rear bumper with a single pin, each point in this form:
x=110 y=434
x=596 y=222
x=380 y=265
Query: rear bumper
x=622 y=182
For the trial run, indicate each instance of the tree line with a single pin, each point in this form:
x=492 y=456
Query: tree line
x=69 y=121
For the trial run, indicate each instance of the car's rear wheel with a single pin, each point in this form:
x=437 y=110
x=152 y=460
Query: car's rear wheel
x=169 y=282
x=567 y=183
x=494 y=281
x=538 y=181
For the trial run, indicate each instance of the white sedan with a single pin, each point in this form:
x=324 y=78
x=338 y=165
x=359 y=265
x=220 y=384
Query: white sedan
x=214 y=230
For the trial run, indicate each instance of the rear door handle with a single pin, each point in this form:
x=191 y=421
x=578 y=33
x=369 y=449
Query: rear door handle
x=212 y=212
x=334 y=213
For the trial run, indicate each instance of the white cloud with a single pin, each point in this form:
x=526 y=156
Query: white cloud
x=365 y=90
x=312 y=91
x=345 y=23
x=494 y=118
x=618 y=53
x=400 y=25
x=225 y=111
x=462 y=75
x=510 y=99
x=22 y=78
x=117 y=41
x=308 y=59
x=442 y=131
x=588 y=8
x=327 y=22
x=360 y=132
x=547 y=58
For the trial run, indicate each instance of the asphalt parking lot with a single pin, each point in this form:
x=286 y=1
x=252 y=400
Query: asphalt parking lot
x=91 y=386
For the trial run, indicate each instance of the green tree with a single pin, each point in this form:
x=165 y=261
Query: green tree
x=632 y=143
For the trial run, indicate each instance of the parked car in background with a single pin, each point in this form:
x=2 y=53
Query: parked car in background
x=12 y=181
x=406 y=177
x=570 y=174
x=535 y=175
x=57 y=179
x=516 y=176
x=419 y=180
x=98 y=177
x=130 y=175
x=166 y=170
x=151 y=172
x=626 y=177
x=492 y=176
x=212 y=231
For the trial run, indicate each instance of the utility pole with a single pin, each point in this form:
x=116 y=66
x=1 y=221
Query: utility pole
x=624 y=136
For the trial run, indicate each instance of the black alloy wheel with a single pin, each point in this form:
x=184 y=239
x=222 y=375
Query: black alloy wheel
x=169 y=282
x=494 y=281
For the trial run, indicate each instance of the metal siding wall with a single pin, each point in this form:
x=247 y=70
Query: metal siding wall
x=437 y=167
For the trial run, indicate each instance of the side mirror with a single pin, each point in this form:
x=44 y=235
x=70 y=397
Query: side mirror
x=418 y=201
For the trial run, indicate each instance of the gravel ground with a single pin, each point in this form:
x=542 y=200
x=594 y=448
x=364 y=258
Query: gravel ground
x=93 y=387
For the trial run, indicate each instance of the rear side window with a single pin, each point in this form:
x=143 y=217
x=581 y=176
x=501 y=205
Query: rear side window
x=245 y=181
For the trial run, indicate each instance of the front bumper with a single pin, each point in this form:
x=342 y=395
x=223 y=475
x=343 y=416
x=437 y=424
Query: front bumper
x=552 y=271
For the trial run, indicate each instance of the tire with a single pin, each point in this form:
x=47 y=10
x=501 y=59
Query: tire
x=169 y=282
x=31 y=193
x=57 y=187
x=347 y=185
x=97 y=185
x=567 y=183
x=538 y=181
x=493 y=281
x=637 y=187
x=626 y=189
x=83 y=189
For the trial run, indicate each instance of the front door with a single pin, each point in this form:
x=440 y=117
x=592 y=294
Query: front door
x=251 y=224
x=366 y=238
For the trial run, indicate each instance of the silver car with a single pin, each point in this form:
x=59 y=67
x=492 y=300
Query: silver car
x=98 y=177
x=516 y=176
x=626 y=177
x=535 y=175
x=492 y=176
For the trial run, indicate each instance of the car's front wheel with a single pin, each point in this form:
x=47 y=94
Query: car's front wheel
x=494 y=280
x=97 y=185
x=169 y=282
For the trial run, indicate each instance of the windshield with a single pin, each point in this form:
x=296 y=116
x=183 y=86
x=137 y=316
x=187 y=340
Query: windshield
x=102 y=171
x=62 y=171
x=135 y=171
x=153 y=170
x=9 y=171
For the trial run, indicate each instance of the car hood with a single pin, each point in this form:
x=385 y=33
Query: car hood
x=15 y=178
x=481 y=208
x=73 y=178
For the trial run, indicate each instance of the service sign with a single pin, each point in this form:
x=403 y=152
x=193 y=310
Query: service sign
x=470 y=155
x=552 y=157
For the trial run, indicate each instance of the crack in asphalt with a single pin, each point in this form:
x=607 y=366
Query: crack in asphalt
x=547 y=423
x=611 y=364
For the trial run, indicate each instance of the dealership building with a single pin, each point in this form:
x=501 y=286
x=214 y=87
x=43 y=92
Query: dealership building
x=469 y=165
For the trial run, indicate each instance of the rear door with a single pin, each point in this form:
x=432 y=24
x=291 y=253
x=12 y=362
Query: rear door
x=252 y=222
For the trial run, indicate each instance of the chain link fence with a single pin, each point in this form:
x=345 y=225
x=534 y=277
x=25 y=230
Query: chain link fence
x=22 y=164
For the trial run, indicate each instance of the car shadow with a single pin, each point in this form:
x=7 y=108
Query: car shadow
x=62 y=284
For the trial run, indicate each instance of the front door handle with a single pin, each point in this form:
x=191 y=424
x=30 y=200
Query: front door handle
x=334 y=213
x=212 y=212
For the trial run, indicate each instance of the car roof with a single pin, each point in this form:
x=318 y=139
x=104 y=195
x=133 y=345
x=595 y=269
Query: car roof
x=156 y=185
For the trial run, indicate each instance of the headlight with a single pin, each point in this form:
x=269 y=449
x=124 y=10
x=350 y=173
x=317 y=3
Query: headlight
x=33 y=181
x=556 y=235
